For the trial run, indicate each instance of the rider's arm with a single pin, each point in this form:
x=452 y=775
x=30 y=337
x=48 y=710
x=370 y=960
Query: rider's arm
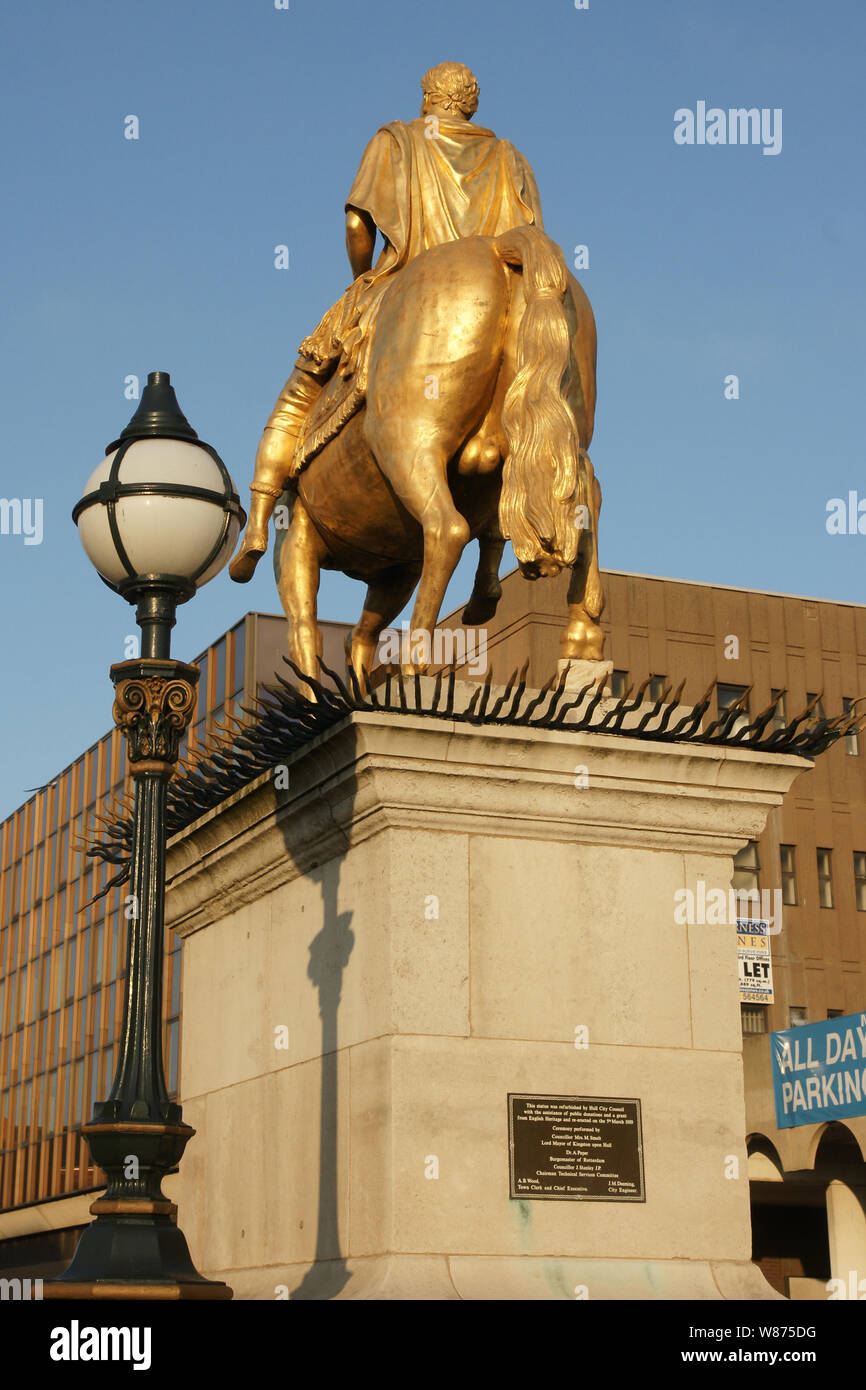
x=360 y=240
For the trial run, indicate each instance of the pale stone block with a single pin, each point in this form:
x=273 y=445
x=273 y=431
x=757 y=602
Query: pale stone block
x=428 y=969
x=579 y=674
x=273 y=1166
x=194 y=1192
x=351 y=939
x=449 y=1100
x=371 y=1163
x=550 y=924
x=224 y=1012
x=712 y=947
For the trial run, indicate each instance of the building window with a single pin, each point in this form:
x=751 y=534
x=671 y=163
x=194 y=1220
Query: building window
x=789 y=875
x=779 y=718
x=657 y=687
x=797 y=1016
x=819 y=707
x=728 y=695
x=746 y=869
x=618 y=683
x=852 y=740
x=754 y=1018
x=860 y=880
x=835 y=1013
x=825 y=878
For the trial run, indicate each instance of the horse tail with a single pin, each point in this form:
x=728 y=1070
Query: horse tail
x=541 y=471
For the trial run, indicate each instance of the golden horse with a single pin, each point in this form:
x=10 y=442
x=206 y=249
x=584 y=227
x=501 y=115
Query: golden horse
x=478 y=413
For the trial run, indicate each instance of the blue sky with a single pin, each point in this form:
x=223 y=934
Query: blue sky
x=120 y=257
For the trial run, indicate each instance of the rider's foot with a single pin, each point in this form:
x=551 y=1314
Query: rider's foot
x=242 y=567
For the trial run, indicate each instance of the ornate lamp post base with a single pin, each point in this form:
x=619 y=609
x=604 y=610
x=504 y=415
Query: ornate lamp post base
x=157 y=1248
x=134 y=1249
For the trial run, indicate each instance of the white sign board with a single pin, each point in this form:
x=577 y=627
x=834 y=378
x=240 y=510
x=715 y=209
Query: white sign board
x=755 y=965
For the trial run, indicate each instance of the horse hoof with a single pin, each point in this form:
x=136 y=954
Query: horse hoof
x=584 y=642
x=480 y=608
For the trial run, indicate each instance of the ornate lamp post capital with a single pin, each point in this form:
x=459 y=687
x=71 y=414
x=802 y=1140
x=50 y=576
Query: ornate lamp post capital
x=153 y=704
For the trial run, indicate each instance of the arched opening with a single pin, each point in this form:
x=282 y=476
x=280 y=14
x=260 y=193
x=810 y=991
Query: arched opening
x=789 y=1219
x=836 y=1150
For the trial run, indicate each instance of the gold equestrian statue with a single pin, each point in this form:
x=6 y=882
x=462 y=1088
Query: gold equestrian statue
x=447 y=396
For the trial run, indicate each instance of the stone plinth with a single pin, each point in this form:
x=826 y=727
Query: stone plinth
x=377 y=955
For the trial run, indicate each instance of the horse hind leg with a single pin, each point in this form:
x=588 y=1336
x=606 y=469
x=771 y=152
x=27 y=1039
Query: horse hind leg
x=446 y=534
x=419 y=477
x=487 y=589
x=386 y=596
x=297 y=564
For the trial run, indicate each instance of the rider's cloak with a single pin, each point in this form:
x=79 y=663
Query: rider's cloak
x=432 y=181
x=423 y=182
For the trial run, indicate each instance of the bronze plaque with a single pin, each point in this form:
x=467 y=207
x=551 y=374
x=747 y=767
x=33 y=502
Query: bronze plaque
x=576 y=1148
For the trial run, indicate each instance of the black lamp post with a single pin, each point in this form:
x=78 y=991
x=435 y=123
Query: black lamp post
x=159 y=518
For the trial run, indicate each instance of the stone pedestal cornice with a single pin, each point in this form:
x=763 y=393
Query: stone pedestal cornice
x=373 y=771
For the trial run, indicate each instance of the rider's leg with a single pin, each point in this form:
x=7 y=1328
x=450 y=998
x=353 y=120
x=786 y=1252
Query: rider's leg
x=301 y=557
x=273 y=466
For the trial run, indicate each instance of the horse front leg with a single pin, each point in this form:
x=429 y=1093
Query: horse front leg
x=583 y=639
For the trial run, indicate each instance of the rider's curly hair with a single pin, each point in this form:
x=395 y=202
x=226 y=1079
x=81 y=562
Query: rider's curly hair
x=451 y=86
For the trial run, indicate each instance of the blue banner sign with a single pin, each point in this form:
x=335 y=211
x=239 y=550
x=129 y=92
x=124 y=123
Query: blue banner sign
x=819 y=1071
